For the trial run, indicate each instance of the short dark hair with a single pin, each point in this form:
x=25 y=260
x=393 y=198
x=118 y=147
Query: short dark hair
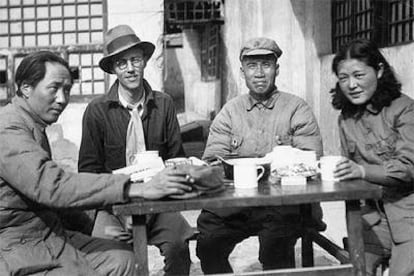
x=32 y=69
x=388 y=88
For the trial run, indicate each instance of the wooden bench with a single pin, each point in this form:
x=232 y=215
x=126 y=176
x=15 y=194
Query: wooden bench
x=339 y=270
x=309 y=236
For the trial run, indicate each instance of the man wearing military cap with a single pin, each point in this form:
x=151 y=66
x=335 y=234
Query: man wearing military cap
x=252 y=125
x=127 y=120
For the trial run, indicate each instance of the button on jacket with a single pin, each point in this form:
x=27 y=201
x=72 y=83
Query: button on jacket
x=105 y=125
x=33 y=187
x=383 y=143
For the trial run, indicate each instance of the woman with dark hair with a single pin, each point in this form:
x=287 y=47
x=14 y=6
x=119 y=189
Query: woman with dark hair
x=376 y=128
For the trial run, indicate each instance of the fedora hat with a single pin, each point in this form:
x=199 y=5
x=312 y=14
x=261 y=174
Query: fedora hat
x=118 y=40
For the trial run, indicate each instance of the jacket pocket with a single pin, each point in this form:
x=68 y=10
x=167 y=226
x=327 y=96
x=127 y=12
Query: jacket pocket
x=401 y=218
x=385 y=148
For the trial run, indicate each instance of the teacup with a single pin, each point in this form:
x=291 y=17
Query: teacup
x=327 y=165
x=229 y=162
x=247 y=174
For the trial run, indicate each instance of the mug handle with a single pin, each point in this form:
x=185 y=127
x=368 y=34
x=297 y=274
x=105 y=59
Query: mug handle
x=318 y=166
x=261 y=169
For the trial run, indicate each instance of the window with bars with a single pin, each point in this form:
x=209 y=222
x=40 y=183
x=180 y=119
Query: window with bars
x=72 y=28
x=387 y=22
x=180 y=12
x=206 y=16
x=210 y=52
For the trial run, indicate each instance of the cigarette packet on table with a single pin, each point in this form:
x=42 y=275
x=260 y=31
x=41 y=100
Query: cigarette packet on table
x=296 y=180
x=139 y=173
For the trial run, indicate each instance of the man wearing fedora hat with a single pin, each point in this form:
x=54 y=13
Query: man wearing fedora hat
x=252 y=125
x=128 y=119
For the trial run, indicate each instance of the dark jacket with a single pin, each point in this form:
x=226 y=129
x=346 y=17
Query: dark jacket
x=105 y=124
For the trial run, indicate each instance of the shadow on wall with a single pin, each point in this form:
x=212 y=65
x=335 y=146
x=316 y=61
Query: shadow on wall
x=178 y=70
x=173 y=79
x=229 y=86
x=175 y=60
x=318 y=31
x=64 y=152
x=314 y=18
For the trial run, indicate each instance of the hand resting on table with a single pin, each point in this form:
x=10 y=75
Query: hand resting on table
x=169 y=181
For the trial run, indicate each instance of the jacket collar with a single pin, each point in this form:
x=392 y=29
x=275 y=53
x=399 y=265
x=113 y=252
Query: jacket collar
x=268 y=103
x=372 y=109
x=21 y=104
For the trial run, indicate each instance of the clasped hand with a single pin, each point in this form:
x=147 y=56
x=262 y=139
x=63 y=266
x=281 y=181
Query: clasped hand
x=348 y=169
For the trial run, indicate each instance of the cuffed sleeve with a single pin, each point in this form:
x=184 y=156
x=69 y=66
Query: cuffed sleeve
x=26 y=166
x=306 y=133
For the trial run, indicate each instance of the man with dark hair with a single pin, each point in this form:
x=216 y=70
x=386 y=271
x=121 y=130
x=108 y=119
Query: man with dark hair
x=252 y=125
x=33 y=188
x=129 y=119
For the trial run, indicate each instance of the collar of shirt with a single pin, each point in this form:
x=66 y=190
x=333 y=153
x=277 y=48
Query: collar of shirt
x=267 y=104
x=22 y=104
x=113 y=97
x=139 y=105
x=372 y=109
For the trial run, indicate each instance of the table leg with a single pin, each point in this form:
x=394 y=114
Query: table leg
x=139 y=232
x=307 y=244
x=355 y=240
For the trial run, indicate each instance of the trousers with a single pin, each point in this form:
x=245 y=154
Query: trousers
x=81 y=255
x=218 y=236
x=167 y=231
x=380 y=248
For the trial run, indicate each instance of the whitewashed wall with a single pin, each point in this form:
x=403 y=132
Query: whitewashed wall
x=300 y=27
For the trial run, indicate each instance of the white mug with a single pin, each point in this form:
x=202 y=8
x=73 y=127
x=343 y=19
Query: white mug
x=327 y=165
x=245 y=174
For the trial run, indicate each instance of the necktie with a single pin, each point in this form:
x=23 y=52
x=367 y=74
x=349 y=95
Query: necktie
x=135 y=140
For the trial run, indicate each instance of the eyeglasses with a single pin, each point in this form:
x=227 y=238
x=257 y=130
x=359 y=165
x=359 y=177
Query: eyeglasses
x=122 y=64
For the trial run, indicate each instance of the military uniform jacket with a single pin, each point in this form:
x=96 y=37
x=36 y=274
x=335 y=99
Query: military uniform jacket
x=383 y=143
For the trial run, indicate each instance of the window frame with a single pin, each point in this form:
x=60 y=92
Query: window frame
x=348 y=21
x=91 y=47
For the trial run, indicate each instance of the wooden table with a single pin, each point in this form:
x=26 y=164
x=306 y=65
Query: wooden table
x=266 y=195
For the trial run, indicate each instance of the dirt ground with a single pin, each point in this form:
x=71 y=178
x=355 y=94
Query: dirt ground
x=244 y=256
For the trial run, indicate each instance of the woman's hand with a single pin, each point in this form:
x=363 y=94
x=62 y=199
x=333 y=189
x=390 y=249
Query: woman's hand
x=348 y=169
